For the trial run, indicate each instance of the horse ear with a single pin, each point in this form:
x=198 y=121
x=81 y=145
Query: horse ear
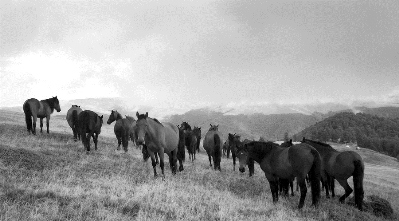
x=303 y=139
x=137 y=114
x=102 y=116
x=146 y=114
x=210 y=124
x=290 y=141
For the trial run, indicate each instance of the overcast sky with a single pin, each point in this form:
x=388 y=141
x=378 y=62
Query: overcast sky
x=197 y=53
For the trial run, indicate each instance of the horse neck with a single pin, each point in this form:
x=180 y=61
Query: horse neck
x=118 y=116
x=323 y=150
x=153 y=127
x=50 y=103
x=258 y=153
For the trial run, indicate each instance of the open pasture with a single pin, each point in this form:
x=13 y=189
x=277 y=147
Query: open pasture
x=50 y=177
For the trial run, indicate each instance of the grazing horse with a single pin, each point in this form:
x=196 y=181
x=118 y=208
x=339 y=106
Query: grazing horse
x=284 y=163
x=123 y=128
x=39 y=109
x=72 y=118
x=197 y=133
x=89 y=124
x=159 y=138
x=213 y=146
x=340 y=166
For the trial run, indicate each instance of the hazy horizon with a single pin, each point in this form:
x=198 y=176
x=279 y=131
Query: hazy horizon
x=179 y=55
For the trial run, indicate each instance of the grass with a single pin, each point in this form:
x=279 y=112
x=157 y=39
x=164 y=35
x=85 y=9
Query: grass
x=50 y=177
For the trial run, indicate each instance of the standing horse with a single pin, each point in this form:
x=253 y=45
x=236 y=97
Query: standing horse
x=123 y=128
x=233 y=141
x=284 y=163
x=72 y=118
x=39 y=109
x=190 y=139
x=213 y=146
x=197 y=133
x=89 y=123
x=159 y=138
x=340 y=166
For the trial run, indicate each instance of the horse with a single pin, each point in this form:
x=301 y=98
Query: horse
x=72 y=119
x=39 y=109
x=340 y=166
x=190 y=139
x=213 y=146
x=234 y=142
x=283 y=188
x=123 y=128
x=182 y=141
x=225 y=147
x=159 y=138
x=89 y=123
x=284 y=163
x=132 y=135
x=197 y=133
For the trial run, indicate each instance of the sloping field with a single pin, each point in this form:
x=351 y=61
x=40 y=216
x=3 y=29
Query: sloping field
x=50 y=177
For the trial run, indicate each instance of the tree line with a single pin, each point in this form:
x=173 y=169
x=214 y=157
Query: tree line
x=368 y=131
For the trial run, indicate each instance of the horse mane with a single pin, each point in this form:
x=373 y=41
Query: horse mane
x=320 y=145
x=51 y=103
x=261 y=149
x=130 y=118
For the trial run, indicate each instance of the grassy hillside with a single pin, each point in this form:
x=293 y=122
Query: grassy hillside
x=50 y=177
x=254 y=126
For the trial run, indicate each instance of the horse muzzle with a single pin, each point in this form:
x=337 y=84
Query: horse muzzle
x=242 y=169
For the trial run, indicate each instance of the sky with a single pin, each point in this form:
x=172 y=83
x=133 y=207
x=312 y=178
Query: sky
x=192 y=54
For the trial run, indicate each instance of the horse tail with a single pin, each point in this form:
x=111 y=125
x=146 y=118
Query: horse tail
x=181 y=152
x=314 y=176
x=358 y=175
x=217 y=148
x=28 y=116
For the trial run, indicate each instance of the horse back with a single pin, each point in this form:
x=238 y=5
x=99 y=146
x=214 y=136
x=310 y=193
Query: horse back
x=31 y=105
x=342 y=164
x=89 y=121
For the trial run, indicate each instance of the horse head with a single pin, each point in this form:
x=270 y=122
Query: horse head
x=242 y=155
x=112 y=117
x=141 y=127
x=214 y=127
x=56 y=103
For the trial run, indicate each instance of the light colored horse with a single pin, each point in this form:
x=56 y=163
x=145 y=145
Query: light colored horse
x=213 y=145
x=159 y=138
x=72 y=118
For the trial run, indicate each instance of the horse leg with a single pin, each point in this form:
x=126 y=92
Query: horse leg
x=88 y=141
x=209 y=157
x=304 y=190
x=274 y=188
x=34 y=125
x=48 y=124
x=233 y=155
x=41 y=125
x=119 y=142
x=161 y=161
x=332 y=187
x=153 y=162
x=292 y=187
x=95 y=139
x=348 y=190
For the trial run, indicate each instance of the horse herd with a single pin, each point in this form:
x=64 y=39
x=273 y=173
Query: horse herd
x=314 y=161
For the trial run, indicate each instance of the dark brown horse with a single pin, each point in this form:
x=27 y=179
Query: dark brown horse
x=233 y=140
x=123 y=128
x=284 y=163
x=39 y=109
x=197 y=133
x=89 y=126
x=213 y=146
x=340 y=166
x=190 y=139
x=159 y=138
x=72 y=118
